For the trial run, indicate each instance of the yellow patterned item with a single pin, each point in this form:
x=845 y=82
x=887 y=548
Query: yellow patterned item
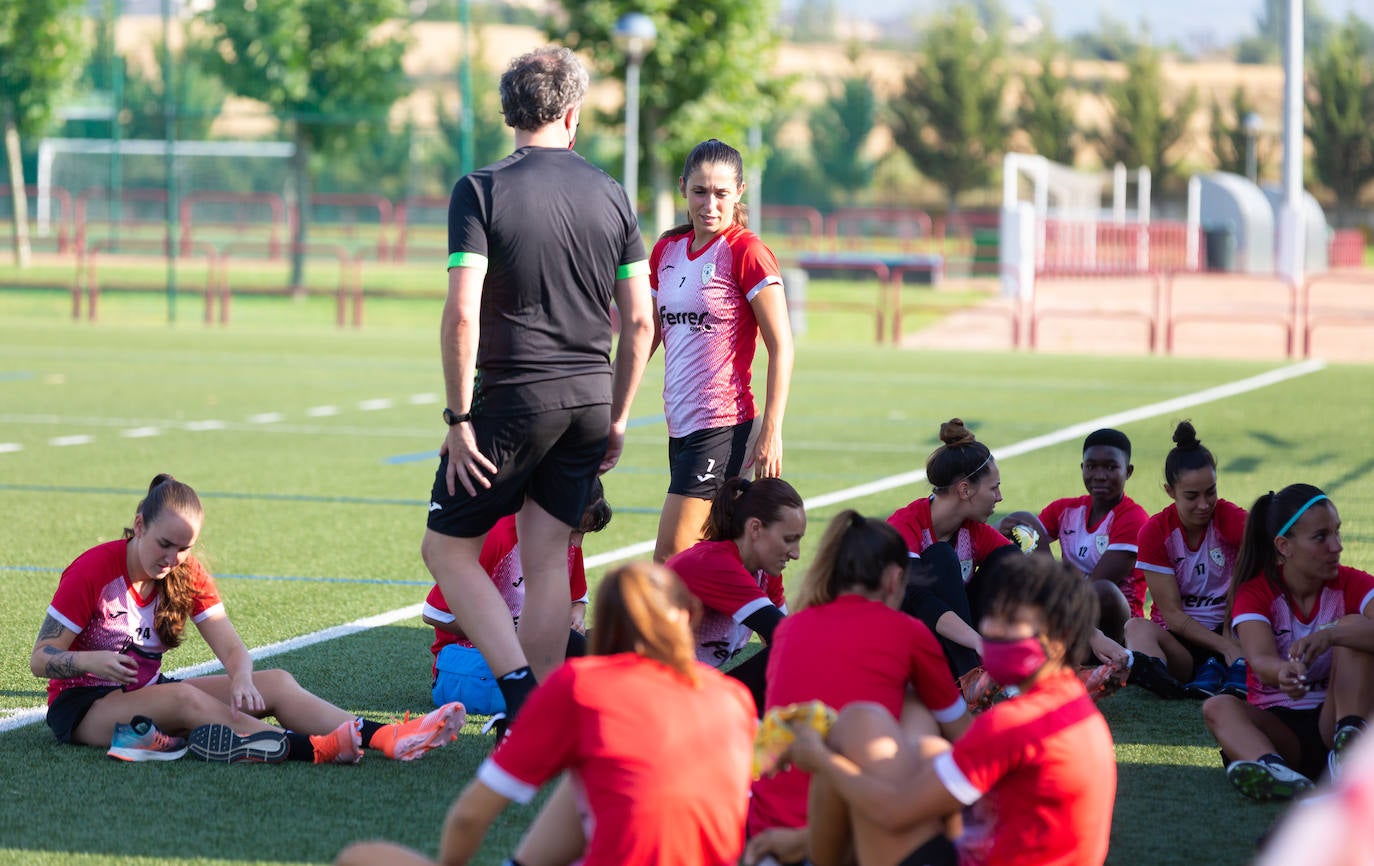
x=775 y=732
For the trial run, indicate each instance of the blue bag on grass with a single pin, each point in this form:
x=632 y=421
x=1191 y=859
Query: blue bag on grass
x=463 y=675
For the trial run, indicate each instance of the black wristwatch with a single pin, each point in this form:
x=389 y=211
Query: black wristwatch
x=451 y=417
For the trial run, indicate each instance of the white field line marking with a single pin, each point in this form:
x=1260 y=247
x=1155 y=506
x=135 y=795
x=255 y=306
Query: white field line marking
x=423 y=399
x=10 y=447
x=19 y=718
x=266 y=418
x=1025 y=446
x=321 y=411
x=64 y=441
x=208 y=424
x=374 y=404
x=140 y=432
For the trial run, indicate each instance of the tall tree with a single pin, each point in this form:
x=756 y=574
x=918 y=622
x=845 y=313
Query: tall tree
x=1046 y=110
x=1266 y=44
x=839 y=129
x=948 y=117
x=327 y=68
x=1143 y=128
x=1230 y=140
x=1340 y=121
x=708 y=75
x=40 y=56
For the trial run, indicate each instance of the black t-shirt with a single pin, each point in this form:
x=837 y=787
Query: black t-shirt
x=556 y=233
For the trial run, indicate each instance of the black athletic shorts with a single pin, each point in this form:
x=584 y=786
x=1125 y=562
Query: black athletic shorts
x=700 y=462
x=937 y=852
x=71 y=706
x=1306 y=726
x=552 y=457
x=1199 y=652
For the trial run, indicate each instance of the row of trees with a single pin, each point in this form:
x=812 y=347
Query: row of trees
x=330 y=72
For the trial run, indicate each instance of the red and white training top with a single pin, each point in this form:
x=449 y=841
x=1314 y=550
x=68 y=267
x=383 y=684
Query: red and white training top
x=974 y=541
x=1083 y=545
x=1204 y=574
x=709 y=330
x=1258 y=600
x=95 y=599
x=714 y=572
x=659 y=765
x=500 y=558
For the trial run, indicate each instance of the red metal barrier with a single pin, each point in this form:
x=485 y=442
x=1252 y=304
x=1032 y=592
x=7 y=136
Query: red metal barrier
x=274 y=202
x=350 y=284
x=1148 y=316
x=1095 y=247
x=897 y=282
x=878 y=269
x=90 y=254
x=403 y=221
x=1346 y=249
x=65 y=218
x=911 y=225
x=1349 y=312
x=1243 y=310
x=361 y=201
x=789 y=215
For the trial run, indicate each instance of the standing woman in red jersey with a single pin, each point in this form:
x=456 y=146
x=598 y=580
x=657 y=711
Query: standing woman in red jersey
x=717 y=289
x=657 y=748
x=1187 y=553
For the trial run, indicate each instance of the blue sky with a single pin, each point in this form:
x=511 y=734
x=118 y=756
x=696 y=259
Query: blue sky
x=1223 y=20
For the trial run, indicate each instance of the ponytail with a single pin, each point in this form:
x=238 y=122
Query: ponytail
x=176 y=593
x=853 y=553
x=740 y=499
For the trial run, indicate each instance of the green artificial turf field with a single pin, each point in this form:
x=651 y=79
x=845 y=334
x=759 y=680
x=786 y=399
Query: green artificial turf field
x=312 y=449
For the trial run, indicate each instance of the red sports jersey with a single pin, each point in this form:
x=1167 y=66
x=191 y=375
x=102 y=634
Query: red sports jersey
x=714 y=573
x=973 y=541
x=660 y=766
x=1042 y=770
x=500 y=558
x=852 y=649
x=1258 y=600
x=709 y=330
x=95 y=600
x=1203 y=575
x=1083 y=545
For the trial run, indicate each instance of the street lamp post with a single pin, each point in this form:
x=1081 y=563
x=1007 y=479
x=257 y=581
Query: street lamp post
x=634 y=34
x=1253 y=125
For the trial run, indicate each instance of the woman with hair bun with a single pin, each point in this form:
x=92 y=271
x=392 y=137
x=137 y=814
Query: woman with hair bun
x=655 y=749
x=1187 y=554
x=1304 y=624
x=848 y=642
x=949 y=533
x=717 y=291
x=753 y=530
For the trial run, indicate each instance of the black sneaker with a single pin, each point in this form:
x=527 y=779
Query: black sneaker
x=220 y=744
x=1152 y=674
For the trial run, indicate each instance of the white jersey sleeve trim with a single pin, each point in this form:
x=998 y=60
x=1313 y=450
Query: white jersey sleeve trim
x=763 y=284
x=1249 y=617
x=954 y=780
x=503 y=783
x=66 y=623
x=1365 y=602
x=585 y=599
x=951 y=712
x=750 y=609
x=1130 y=548
x=1150 y=566
x=436 y=614
x=214 y=611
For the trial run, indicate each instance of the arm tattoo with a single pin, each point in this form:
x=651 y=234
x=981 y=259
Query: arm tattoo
x=50 y=628
x=61 y=664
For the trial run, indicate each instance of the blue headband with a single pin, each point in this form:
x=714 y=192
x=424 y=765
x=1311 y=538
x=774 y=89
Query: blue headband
x=1300 y=512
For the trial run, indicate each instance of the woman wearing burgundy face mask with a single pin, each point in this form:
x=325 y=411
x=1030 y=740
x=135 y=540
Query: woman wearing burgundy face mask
x=1038 y=770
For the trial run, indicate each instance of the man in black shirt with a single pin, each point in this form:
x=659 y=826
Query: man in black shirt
x=539 y=244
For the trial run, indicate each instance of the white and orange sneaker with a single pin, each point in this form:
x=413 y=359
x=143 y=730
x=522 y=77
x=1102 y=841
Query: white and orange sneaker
x=410 y=738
